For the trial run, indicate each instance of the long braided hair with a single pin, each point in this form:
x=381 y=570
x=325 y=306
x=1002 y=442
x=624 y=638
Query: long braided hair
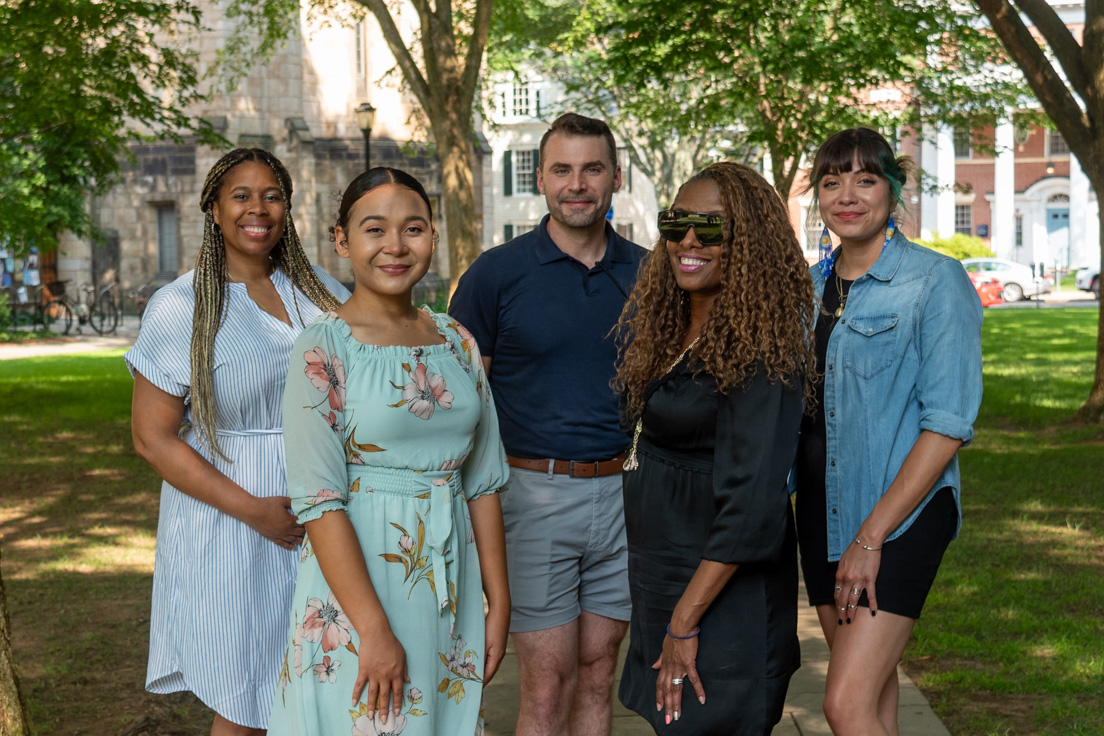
x=764 y=314
x=210 y=280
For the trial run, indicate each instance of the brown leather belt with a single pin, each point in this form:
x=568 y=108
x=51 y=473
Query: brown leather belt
x=574 y=468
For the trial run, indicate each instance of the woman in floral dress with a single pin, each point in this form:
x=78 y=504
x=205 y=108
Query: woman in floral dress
x=393 y=462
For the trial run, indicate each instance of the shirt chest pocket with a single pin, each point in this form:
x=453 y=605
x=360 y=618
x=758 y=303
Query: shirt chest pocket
x=873 y=344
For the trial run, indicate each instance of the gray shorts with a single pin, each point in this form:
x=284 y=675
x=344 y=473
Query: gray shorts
x=565 y=549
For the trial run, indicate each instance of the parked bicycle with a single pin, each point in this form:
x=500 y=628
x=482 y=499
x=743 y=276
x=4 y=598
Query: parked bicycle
x=100 y=310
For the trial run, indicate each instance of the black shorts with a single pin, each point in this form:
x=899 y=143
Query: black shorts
x=909 y=562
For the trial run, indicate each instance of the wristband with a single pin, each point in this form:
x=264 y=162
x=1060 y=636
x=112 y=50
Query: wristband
x=691 y=635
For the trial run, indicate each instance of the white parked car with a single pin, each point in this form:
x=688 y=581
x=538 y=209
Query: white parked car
x=1018 y=280
x=1088 y=279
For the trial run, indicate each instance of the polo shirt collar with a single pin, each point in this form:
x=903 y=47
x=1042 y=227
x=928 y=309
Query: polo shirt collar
x=617 y=249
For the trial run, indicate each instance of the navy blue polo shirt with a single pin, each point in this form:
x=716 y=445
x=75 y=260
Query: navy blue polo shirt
x=544 y=319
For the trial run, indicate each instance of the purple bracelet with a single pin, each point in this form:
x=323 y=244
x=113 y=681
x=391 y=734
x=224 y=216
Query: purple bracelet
x=691 y=635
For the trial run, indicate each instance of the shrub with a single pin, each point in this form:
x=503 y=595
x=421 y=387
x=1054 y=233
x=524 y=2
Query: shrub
x=959 y=246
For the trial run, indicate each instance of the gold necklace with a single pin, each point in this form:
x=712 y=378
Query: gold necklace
x=631 y=462
x=842 y=297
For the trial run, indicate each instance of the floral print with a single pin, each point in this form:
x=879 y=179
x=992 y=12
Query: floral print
x=365 y=726
x=327 y=375
x=326 y=670
x=415 y=564
x=461 y=665
x=424 y=392
x=328 y=622
x=404 y=479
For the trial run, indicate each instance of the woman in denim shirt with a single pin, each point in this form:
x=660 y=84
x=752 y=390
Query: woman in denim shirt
x=898 y=339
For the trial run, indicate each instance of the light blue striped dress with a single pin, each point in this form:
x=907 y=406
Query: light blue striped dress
x=222 y=592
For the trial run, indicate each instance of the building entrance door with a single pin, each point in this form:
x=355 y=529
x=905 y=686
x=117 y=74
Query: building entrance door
x=1058 y=235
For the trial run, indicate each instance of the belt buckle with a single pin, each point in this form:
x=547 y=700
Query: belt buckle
x=571 y=468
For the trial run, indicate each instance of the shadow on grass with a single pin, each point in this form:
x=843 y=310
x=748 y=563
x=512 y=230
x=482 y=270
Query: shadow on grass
x=77 y=523
x=81 y=641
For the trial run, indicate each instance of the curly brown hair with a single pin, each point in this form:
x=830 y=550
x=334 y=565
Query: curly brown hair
x=764 y=313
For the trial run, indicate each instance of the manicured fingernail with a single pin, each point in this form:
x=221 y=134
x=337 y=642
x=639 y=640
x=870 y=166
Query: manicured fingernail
x=659 y=706
x=668 y=717
x=839 y=621
x=676 y=715
x=848 y=619
x=873 y=612
x=702 y=700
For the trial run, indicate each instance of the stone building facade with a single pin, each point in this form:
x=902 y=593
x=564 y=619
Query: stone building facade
x=299 y=106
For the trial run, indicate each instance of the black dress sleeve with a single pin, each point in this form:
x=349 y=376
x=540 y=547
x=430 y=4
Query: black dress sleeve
x=757 y=428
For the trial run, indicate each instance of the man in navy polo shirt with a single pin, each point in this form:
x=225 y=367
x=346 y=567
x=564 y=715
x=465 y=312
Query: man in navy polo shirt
x=541 y=308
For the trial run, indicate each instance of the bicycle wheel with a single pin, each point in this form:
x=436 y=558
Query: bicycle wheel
x=104 y=316
x=58 y=317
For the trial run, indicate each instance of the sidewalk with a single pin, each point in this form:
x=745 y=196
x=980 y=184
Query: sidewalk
x=87 y=341
x=1063 y=298
x=802 y=716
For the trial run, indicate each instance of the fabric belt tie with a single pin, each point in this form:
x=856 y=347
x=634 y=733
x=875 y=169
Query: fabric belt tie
x=439 y=487
x=573 y=468
x=247 y=432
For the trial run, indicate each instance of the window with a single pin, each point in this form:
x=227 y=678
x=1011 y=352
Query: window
x=168 y=263
x=625 y=162
x=1056 y=144
x=1019 y=231
x=511 y=230
x=524 y=172
x=962 y=143
x=359 y=31
x=964 y=219
x=625 y=230
x=519 y=172
x=521 y=98
x=813 y=232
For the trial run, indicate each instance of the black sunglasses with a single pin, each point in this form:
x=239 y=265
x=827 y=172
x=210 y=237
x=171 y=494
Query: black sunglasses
x=674 y=224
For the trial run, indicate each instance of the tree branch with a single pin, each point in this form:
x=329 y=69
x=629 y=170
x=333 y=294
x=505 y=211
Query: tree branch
x=395 y=43
x=1051 y=90
x=481 y=25
x=1062 y=43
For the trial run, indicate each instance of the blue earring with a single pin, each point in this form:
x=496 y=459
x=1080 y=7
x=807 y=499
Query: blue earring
x=825 y=252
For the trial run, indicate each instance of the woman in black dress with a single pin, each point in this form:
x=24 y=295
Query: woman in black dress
x=716 y=356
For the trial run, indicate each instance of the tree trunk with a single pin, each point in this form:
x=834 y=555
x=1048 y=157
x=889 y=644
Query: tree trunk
x=454 y=149
x=1093 y=409
x=13 y=710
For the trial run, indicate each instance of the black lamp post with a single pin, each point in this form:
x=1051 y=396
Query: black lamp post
x=365 y=117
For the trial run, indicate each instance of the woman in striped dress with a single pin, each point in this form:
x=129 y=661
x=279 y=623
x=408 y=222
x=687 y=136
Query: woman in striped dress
x=209 y=368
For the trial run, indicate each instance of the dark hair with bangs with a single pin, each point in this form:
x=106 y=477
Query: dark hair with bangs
x=875 y=156
x=573 y=124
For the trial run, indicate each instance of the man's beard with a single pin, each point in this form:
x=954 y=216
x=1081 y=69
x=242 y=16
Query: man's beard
x=574 y=218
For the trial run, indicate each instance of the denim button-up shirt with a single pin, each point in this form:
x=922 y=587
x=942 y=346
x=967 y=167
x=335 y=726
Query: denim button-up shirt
x=905 y=357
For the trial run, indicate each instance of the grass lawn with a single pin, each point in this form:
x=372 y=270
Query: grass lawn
x=78 y=516
x=1011 y=642
x=1012 y=638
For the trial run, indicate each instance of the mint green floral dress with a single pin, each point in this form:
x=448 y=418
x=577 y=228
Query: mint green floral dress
x=400 y=439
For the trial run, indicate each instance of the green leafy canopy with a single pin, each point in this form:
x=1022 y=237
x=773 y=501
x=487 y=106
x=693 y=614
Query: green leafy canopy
x=81 y=80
